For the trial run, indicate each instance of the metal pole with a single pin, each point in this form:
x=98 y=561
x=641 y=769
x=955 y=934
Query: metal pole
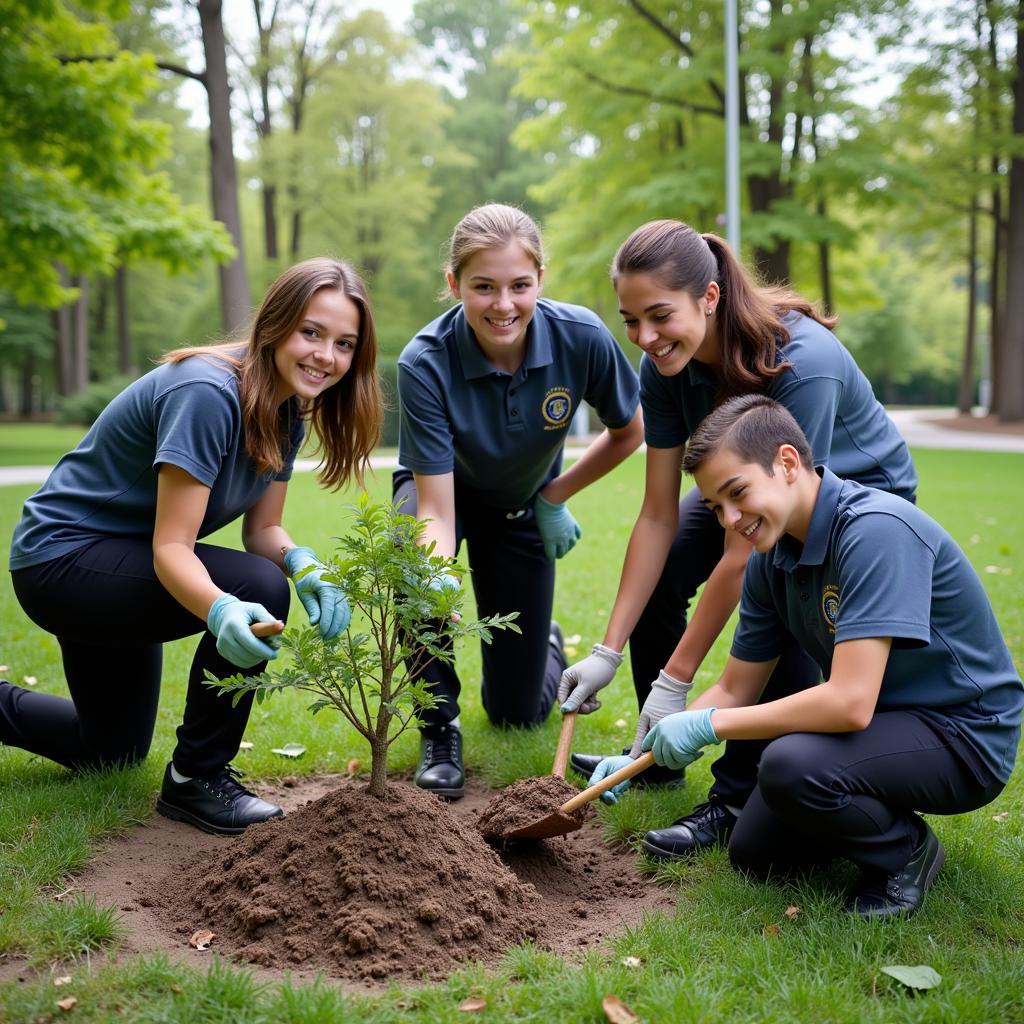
x=732 y=128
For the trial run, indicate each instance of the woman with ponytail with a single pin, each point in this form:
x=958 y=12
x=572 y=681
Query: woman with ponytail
x=710 y=332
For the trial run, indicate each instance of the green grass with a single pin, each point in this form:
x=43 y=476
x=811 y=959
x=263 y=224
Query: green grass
x=36 y=444
x=729 y=954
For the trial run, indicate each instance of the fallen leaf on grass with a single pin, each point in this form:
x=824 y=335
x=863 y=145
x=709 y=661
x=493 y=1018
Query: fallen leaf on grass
x=574 y=639
x=202 y=938
x=5 y=668
x=617 y=1011
x=67 y=1004
x=918 y=976
x=289 y=750
x=632 y=961
x=245 y=745
x=792 y=912
x=620 y=723
x=1001 y=816
x=472 y=1004
x=64 y=979
x=353 y=766
x=29 y=680
x=771 y=931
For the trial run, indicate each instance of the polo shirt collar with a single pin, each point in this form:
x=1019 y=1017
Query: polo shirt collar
x=701 y=375
x=789 y=552
x=475 y=364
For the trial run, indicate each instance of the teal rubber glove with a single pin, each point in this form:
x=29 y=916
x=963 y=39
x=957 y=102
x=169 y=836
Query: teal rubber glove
x=603 y=770
x=446 y=581
x=325 y=603
x=558 y=530
x=229 y=620
x=677 y=740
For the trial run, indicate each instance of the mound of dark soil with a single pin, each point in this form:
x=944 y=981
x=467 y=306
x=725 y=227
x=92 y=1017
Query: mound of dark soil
x=384 y=888
x=526 y=802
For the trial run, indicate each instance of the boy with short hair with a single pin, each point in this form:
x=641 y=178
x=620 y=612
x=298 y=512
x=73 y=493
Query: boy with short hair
x=921 y=704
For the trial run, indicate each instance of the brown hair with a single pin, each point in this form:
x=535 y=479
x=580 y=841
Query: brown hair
x=749 y=315
x=346 y=417
x=492 y=227
x=752 y=426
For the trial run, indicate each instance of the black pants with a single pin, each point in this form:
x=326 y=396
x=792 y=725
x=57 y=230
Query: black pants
x=695 y=552
x=510 y=573
x=110 y=615
x=852 y=795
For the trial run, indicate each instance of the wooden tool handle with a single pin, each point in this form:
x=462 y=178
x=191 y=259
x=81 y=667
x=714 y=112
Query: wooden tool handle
x=262 y=629
x=564 y=745
x=626 y=772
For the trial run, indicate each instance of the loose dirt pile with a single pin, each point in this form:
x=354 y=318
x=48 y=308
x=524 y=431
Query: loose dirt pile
x=386 y=888
x=528 y=801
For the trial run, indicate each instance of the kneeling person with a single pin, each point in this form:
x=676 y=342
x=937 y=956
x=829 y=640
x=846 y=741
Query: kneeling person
x=921 y=705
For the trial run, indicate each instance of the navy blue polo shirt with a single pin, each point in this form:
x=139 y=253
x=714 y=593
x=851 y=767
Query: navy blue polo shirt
x=874 y=565
x=823 y=388
x=502 y=434
x=187 y=414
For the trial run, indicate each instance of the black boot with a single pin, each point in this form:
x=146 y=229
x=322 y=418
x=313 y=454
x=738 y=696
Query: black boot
x=216 y=803
x=656 y=775
x=880 y=895
x=440 y=769
x=708 y=824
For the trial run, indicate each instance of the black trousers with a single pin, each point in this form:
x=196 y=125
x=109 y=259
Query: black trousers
x=510 y=572
x=111 y=615
x=695 y=552
x=853 y=795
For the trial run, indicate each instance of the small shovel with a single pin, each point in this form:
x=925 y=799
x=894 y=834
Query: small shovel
x=560 y=822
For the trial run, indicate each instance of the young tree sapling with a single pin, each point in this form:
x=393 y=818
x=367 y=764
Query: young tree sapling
x=403 y=619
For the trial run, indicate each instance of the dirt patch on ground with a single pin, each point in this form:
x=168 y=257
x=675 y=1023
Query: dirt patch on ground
x=979 y=424
x=528 y=802
x=582 y=891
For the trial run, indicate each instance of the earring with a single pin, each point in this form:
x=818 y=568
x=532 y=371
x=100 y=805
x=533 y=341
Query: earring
x=709 y=311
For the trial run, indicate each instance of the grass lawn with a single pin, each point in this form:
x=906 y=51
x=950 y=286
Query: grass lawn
x=36 y=444
x=729 y=954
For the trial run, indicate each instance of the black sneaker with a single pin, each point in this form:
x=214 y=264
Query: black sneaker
x=708 y=824
x=657 y=775
x=217 y=803
x=440 y=769
x=880 y=895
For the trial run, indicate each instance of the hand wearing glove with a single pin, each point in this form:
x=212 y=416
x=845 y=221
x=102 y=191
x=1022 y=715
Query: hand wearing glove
x=676 y=740
x=667 y=697
x=581 y=681
x=325 y=603
x=603 y=770
x=229 y=620
x=445 y=582
x=558 y=529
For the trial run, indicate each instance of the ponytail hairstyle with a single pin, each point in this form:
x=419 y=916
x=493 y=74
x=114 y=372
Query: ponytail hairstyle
x=346 y=417
x=749 y=315
x=493 y=226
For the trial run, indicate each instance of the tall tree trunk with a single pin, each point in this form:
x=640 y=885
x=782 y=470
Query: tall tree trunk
x=264 y=127
x=996 y=291
x=125 y=356
x=80 y=337
x=234 y=283
x=63 y=356
x=28 y=378
x=965 y=400
x=1010 y=382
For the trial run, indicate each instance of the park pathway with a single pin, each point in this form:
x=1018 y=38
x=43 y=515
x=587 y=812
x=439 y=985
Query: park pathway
x=922 y=428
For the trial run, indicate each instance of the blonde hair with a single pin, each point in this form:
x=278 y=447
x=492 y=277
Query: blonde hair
x=492 y=226
x=346 y=417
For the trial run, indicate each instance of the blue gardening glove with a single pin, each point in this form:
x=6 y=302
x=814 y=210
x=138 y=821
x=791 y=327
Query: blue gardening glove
x=580 y=682
x=667 y=697
x=676 y=740
x=229 y=620
x=558 y=529
x=325 y=603
x=446 y=581
x=603 y=770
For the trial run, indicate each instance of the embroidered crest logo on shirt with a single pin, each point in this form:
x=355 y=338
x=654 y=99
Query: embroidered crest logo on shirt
x=556 y=408
x=830 y=606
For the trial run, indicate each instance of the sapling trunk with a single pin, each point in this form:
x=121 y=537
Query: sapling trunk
x=378 y=766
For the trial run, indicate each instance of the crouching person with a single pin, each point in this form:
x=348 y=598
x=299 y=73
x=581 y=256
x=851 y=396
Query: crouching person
x=920 y=709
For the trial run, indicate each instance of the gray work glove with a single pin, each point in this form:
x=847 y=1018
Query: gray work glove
x=667 y=696
x=581 y=681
